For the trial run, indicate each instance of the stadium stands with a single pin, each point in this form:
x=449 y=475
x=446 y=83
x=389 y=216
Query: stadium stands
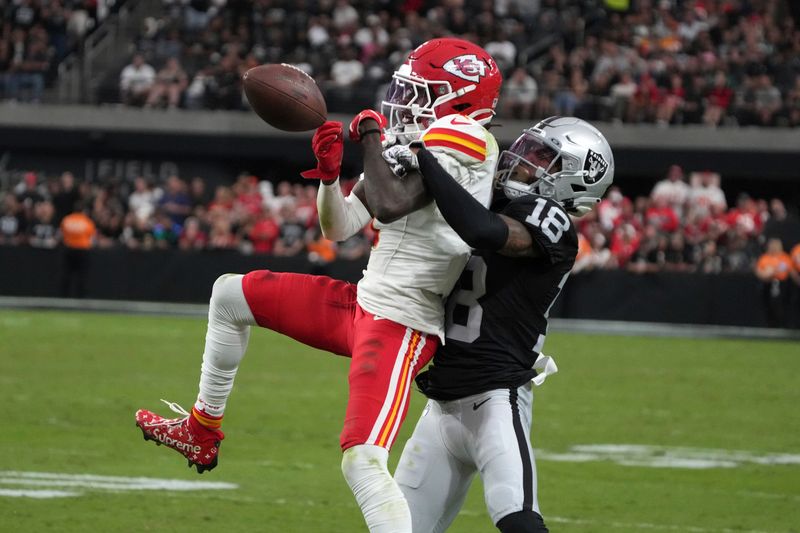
x=717 y=62
x=680 y=227
x=35 y=35
x=247 y=216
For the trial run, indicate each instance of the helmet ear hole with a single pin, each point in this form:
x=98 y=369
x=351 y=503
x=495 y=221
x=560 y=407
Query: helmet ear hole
x=578 y=188
x=461 y=107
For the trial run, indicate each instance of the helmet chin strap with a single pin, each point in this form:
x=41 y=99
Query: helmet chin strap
x=486 y=114
x=408 y=135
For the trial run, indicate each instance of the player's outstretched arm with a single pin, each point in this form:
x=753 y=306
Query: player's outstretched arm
x=388 y=196
x=477 y=226
x=339 y=218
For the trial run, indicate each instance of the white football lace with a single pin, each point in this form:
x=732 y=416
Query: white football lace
x=172 y=421
x=176 y=408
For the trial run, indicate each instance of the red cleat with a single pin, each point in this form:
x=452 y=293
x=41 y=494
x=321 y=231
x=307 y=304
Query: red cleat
x=185 y=435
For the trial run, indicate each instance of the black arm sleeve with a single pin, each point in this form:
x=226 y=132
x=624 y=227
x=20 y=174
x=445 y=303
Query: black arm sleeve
x=476 y=225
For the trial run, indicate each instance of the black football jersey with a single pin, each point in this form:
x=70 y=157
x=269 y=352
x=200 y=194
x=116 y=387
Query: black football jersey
x=497 y=313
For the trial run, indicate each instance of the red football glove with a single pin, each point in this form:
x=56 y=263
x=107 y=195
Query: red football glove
x=328 y=146
x=355 y=135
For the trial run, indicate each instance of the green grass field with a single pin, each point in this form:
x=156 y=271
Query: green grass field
x=70 y=383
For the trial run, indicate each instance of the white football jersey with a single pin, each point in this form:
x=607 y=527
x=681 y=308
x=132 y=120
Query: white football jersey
x=418 y=258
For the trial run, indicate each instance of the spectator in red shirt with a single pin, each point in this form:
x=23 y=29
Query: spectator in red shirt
x=264 y=232
x=630 y=215
x=745 y=216
x=662 y=216
x=192 y=236
x=672 y=101
x=624 y=243
x=719 y=99
x=645 y=100
x=248 y=197
x=693 y=230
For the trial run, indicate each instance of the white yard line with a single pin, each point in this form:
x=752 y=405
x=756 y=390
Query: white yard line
x=52 y=480
x=769 y=495
x=648 y=526
x=667 y=456
x=37 y=494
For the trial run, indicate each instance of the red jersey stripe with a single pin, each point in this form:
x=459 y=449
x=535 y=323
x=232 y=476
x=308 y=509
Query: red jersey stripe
x=455 y=133
x=457 y=147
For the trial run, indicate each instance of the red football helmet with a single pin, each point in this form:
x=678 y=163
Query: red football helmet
x=441 y=77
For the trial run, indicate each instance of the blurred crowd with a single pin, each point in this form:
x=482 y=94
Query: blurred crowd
x=685 y=224
x=35 y=35
x=716 y=62
x=248 y=216
x=688 y=226
x=682 y=226
x=660 y=61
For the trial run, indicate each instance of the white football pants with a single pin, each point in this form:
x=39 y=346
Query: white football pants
x=487 y=433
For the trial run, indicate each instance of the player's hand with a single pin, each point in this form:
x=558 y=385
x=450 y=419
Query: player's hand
x=328 y=146
x=402 y=159
x=356 y=126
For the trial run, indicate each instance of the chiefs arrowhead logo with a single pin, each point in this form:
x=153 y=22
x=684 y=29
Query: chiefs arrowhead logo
x=467 y=67
x=595 y=166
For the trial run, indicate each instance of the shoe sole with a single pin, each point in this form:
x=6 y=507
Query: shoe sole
x=200 y=467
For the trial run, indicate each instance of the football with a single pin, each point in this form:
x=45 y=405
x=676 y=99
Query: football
x=285 y=97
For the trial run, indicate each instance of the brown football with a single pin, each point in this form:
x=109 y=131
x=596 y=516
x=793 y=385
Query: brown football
x=285 y=97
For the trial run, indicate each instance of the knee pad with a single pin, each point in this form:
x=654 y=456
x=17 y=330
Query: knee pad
x=227 y=290
x=382 y=503
x=522 y=522
x=363 y=462
x=228 y=303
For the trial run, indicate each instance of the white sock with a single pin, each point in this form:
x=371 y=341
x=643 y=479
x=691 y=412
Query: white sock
x=229 y=321
x=382 y=503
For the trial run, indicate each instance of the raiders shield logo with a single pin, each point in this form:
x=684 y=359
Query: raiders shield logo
x=467 y=67
x=595 y=166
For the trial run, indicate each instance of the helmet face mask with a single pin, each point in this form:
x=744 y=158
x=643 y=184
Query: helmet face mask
x=566 y=159
x=527 y=167
x=409 y=105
